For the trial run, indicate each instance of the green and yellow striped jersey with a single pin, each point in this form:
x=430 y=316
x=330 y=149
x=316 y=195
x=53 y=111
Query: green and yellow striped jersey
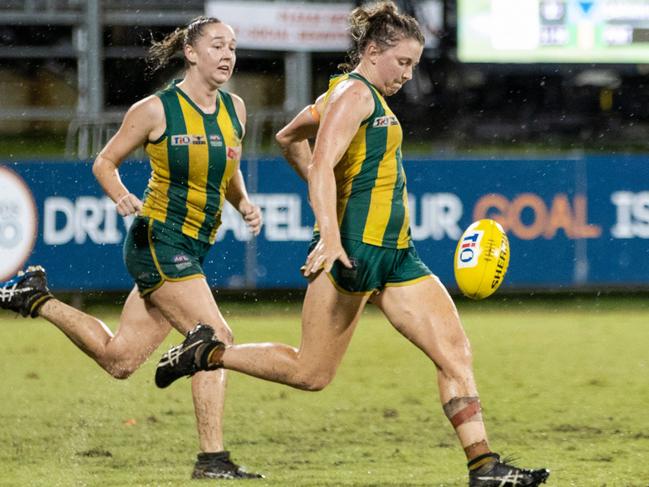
x=192 y=163
x=370 y=180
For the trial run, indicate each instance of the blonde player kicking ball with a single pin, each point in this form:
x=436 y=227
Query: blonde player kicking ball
x=192 y=132
x=362 y=248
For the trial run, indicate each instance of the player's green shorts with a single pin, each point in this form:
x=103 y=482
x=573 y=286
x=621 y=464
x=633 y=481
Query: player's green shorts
x=375 y=268
x=155 y=253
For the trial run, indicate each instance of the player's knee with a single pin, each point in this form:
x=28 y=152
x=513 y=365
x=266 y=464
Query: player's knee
x=225 y=335
x=121 y=371
x=120 y=368
x=314 y=384
x=316 y=381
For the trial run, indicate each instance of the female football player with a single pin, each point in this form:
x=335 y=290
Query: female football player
x=362 y=248
x=192 y=132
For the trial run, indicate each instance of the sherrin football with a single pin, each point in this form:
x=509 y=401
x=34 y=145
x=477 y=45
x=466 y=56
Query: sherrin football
x=481 y=259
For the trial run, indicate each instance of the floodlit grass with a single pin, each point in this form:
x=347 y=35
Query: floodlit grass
x=564 y=384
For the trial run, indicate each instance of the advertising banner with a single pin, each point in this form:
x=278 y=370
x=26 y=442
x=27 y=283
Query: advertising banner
x=312 y=27
x=285 y=26
x=572 y=223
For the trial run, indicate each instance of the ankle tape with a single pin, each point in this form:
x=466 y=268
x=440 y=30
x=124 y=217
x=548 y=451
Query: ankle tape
x=206 y=352
x=36 y=305
x=460 y=410
x=481 y=460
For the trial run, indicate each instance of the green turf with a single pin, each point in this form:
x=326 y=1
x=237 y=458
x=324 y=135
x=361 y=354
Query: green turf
x=564 y=384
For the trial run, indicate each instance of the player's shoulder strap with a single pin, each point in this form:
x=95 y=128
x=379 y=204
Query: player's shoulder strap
x=379 y=111
x=228 y=103
x=337 y=79
x=173 y=112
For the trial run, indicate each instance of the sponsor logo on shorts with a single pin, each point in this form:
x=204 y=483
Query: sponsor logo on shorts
x=469 y=250
x=385 y=121
x=187 y=139
x=182 y=262
x=180 y=258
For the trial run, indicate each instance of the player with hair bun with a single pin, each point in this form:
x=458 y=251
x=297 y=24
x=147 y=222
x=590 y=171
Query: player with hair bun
x=362 y=249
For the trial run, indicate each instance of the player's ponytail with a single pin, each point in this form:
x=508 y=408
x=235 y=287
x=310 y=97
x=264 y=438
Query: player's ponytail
x=381 y=23
x=160 y=53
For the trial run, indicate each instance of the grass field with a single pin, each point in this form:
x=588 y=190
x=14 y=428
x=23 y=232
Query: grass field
x=564 y=384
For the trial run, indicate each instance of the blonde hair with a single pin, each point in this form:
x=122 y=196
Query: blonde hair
x=381 y=23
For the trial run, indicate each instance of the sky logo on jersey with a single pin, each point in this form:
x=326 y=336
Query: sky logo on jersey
x=186 y=139
x=385 y=121
x=469 y=250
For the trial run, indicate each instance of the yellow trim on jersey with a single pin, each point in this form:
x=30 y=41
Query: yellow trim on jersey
x=155 y=205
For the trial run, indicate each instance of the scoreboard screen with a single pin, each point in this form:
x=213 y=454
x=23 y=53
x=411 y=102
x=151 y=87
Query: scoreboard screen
x=553 y=31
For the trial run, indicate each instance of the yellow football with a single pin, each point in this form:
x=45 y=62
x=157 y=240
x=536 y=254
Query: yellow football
x=481 y=259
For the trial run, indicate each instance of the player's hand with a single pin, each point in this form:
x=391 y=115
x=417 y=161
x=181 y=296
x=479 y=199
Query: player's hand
x=129 y=204
x=323 y=257
x=251 y=214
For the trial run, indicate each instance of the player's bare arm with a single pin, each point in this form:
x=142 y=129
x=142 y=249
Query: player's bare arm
x=143 y=122
x=347 y=107
x=237 y=194
x=293 y=139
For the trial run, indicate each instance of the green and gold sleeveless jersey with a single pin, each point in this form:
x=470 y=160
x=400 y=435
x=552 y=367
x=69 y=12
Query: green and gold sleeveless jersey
x=192 y=163
x=370 y=180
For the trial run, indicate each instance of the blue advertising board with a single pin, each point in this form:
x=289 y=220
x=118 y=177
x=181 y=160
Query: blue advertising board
x=572 y=222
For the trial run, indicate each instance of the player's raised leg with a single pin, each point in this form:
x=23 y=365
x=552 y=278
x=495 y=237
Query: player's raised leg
x=328 y=322
x=329 y=319
x=425 y=314
x=141 y=329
